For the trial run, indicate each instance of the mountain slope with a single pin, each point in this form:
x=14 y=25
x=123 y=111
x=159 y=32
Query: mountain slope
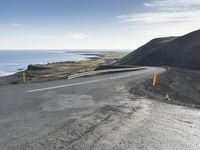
x=183 y=52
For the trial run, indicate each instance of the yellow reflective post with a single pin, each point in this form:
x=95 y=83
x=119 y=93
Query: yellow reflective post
x=154 y=79
x=24 y=77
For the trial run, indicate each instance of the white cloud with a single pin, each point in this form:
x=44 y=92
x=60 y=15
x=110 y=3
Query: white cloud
x=174 y=5
x=166 y=11
x=158 y=17
x=17 y=25
x=182 y=15
x=162 y=18
x=76 y=36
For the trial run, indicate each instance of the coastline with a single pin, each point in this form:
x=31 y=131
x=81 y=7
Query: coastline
x=14 y=61
x=60 y=70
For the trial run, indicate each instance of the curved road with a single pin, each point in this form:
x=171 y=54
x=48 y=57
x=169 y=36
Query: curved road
x=93 y=113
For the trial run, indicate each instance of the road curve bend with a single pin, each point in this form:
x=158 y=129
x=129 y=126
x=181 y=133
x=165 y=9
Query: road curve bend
x=93 y=113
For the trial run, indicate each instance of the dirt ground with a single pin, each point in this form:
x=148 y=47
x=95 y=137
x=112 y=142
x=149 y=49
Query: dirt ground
x=176 y=86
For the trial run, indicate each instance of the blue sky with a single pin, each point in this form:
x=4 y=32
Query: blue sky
x=93 y=24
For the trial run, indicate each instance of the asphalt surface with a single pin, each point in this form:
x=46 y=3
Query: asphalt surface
x=93 y=113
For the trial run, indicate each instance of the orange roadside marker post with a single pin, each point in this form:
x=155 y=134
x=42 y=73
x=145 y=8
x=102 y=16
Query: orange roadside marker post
x=24 y=77
x=154 y=80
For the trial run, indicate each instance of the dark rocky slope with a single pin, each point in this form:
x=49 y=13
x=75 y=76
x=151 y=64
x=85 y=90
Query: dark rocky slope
x=183 y=52
x=181 y=85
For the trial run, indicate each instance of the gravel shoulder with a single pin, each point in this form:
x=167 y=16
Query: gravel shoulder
x=182 y=87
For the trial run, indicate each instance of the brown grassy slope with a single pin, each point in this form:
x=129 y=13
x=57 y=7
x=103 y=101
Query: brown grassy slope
x=60 y=70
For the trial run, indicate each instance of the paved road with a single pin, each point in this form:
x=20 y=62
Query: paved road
x=93 y=113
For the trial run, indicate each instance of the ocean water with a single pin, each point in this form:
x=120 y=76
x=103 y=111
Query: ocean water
x=11 y=61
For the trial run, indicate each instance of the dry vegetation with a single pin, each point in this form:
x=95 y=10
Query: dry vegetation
x=61 y=70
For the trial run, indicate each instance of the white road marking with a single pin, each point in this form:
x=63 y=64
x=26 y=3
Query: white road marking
x=80 y=83
x=119 y=89
x=61 y=86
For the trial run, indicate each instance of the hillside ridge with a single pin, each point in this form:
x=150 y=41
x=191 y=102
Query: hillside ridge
x=183 y=52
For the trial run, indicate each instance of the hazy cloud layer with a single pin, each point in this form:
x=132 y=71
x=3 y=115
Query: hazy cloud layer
x=93 y=24
x=174 y=5
x=164 y=18
x=166 y=11
x=17 y=25
x=76 y=35
x=158 y=17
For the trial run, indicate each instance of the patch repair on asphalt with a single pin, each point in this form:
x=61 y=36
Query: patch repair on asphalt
x=58 y=102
